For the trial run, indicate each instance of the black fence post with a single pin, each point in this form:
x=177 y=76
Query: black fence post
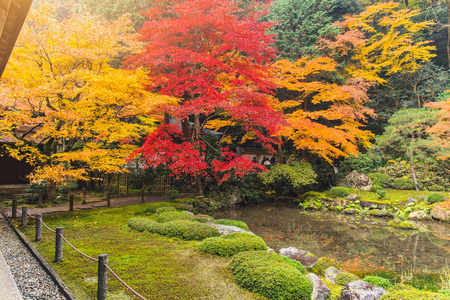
x=41 y=195
x=102 y=277
x=38 y=228
x=24 y=216
x=142 y=194
x=14 y=207
x=84 y=196
x=71 y=202
x=59 y=244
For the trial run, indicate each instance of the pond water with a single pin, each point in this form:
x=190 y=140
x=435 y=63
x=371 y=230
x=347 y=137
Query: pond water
x=362 y=244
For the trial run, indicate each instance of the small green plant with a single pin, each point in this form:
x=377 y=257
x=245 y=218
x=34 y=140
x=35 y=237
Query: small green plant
x=339 y=192
x=173 y=193
x=378 y=281
x=381 y=193
x=435 y=197
x=230 y=244
x=374 y=188
x=343 y=278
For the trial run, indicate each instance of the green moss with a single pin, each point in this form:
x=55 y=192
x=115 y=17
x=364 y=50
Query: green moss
x=339 y=191
x=378 y=281
x=174 y=215
x=270 y=275
x=239 y=224
x=397 y=223
x=312 y=195
x=413 y=294
x=324 y=263
x=230 y=244
x=343 y=278
x=374 y=188
x=435 y=197
x=165 y=209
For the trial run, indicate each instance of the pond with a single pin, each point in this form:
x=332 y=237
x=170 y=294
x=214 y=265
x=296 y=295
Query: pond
x=363 y=244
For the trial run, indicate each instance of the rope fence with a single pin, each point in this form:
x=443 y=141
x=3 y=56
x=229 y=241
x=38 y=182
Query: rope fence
x=103 y=267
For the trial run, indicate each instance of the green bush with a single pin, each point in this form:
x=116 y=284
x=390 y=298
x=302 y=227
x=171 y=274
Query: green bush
x=435 y=197
x=374 y=188
x=413 y=294
x=174 y=215
x=403 y=184
x=165 y=209
x=324 y=263
x=312 y=195
x=380 y=179
x=173 y=194
x=344 y=278
x=239 y=224
x=339 y=192
x=381 y=193
x=270 y=275
x=436 y=188
x=378 y=281
x=185 y=230
x=230 y=244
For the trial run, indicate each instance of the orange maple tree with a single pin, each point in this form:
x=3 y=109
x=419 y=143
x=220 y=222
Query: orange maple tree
x=442 y=129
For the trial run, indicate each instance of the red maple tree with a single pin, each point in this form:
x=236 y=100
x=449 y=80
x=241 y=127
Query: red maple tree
x=217 y=63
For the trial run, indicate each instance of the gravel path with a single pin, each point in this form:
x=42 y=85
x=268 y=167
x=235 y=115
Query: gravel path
x=32 y=281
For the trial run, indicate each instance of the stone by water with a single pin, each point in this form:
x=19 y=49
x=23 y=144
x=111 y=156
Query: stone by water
x=361 y=243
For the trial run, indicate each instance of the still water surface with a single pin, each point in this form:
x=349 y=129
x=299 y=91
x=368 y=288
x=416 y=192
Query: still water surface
x=361 y=243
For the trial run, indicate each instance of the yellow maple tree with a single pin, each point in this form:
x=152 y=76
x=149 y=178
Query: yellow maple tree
x=68 y=108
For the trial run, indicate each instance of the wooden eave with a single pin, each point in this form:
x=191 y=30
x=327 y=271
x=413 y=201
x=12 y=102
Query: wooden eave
x=12 y=17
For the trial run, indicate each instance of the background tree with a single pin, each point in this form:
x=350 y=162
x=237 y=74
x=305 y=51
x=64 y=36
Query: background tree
x=441 y=130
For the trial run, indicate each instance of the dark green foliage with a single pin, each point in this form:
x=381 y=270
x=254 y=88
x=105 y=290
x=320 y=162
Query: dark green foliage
x=344 y=278
x=270 y=275
x=182 y=229
x=435 y=197
x=311 y=196
x=230 y=244
x=324 y=263
x=380 y=179
x=363 y=163
x=413 y=294
x=381 y=193
x=378 y=281
x=436 y=188
x=172 y=216
x=165 y=209
x=236 y=223
x=339 y=191
x=374 y=188
x=403 y=184
x=173 y=193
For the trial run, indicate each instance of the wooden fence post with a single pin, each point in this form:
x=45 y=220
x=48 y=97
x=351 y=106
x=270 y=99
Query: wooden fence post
x=41 y=195
x=24 y=216
x=142 y=194
x=84 y=196
x=14 y=207
x=102 y=277
x=38 y=228
x=59 y=244
x=71 y=202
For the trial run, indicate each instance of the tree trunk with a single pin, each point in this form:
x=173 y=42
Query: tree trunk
x=413 y=172
x=51 y=190
x=199 y=185
x=166 y=118
x=280 y=151
x=195 y=137
x=448 y=33
x=108 y=190
x=186 y=128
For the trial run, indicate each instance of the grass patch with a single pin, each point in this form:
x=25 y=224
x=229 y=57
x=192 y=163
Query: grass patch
x=158 y=267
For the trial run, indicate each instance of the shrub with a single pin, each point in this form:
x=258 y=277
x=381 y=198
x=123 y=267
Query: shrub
x=413 y=294
x=164 y=209
x=403 y=184
x=185 y=230
x=174 y=215
x=374 y=188
x=270 y=275
x=312 y=195
x=232 y=243
x=380 y=179
x=339 y=191
x=381 y=193
x=324 y=263
x=436 y=188
x=344 y=278
x=173 y=194
x=435 y=197
x=378 y=281
x=239 y=224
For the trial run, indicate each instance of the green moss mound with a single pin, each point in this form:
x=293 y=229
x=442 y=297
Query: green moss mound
x=413 y=294
x=378 y=281
x=271 y=275
x=339 y=191
x=311 y=196
x=397 y=223
x=435 y=197
x=227 y=222
x=344 y=278
x=182 y=229
x=374 y=188
x=165 y=209
x=174 y=215
x=232 y=243
x=324 y=263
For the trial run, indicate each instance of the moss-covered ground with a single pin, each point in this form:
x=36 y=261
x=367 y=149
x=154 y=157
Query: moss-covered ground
x=156 y=266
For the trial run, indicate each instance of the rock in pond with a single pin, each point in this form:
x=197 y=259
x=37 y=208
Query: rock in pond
x=381 y=213
x=349 y=211
x=419 y=215
x=440 y=213
x=304 y=257
x=357 y=180
x=331 y=273
x=372 y=205
x=352 y=197
x=361 y=290
x=320 y=290
x=226 y=229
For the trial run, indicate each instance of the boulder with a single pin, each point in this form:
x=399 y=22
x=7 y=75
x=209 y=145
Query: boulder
x=419 y=215
x=357 y=180
x=331 y=273
x=226 y=229
x=440 y=213
x=349 y=211
x=410 y=200
x=304 y=257
x=334 y=202
x=320 y=290
x=352 y=197
x=361 y=290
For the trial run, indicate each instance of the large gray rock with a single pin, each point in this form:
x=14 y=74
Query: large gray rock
x=419 y=215
x=331 y=273
x=440 y=213
x=357 y=180
x=361 y=290
x=320 y=290
x=226 y=229
x=304 y=257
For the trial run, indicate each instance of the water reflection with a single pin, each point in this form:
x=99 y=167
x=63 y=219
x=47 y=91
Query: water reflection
x=361 y=243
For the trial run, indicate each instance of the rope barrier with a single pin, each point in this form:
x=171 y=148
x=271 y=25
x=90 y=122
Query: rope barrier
x=126 y=285
x=73 y=247
x=47 y=227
